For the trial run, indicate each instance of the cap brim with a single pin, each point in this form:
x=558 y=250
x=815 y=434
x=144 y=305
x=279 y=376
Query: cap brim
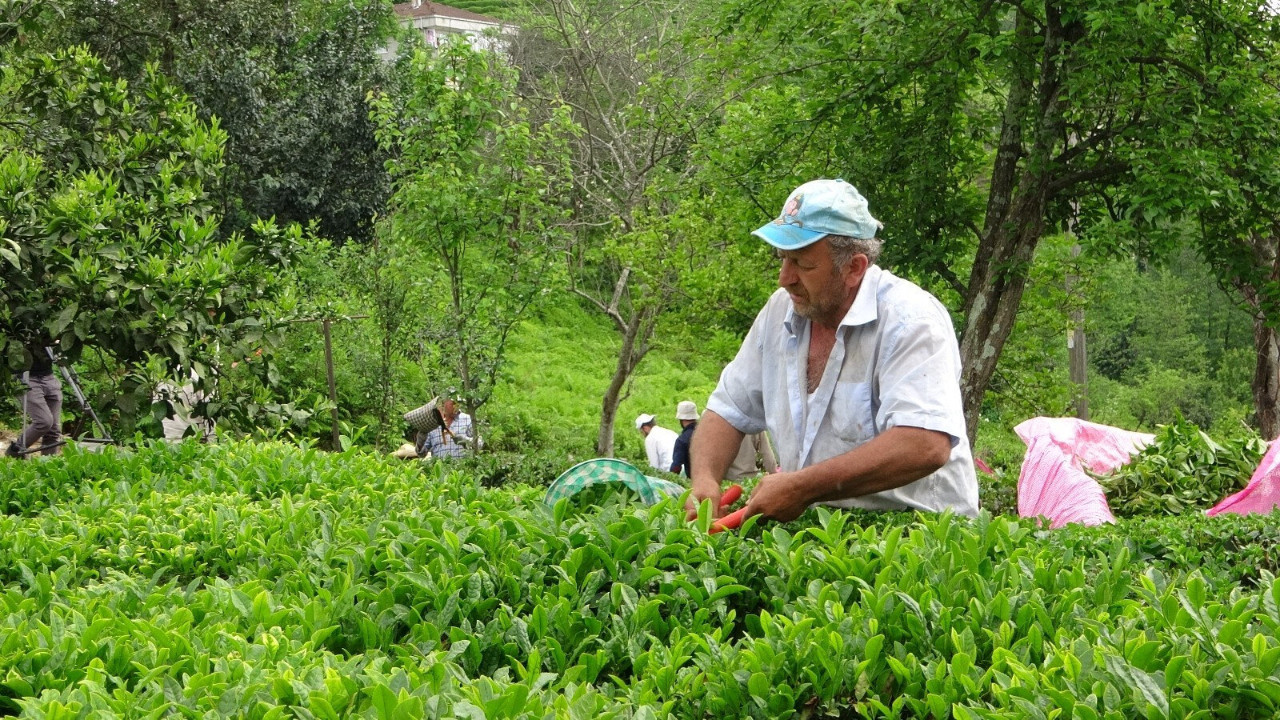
x=788 y=237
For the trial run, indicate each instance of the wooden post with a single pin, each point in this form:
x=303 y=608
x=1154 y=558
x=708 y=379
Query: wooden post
x=328 y=366
x=1078 y=357
x=333 y=386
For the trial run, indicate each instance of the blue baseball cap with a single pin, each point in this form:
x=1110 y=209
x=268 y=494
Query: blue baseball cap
x=816 y=209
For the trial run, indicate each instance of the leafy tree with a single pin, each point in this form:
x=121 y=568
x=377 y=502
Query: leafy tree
x=286 y=79
x=1218 y=167
x=386 y=269
x=478 y=187
x=630 y=75
x=1240 y=218
x=18 y=18
x=975 y=126
x=109 y=236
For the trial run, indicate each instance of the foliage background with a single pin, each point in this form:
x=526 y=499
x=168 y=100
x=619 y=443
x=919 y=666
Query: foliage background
x=1166 y=332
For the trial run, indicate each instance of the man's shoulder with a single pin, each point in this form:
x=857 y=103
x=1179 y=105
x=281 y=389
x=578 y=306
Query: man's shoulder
x=901 y=299
x=660 y=433
x=894 y=286
x=773 y=314
x=778 y=302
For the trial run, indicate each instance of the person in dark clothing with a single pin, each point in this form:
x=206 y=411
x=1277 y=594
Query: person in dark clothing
x=41 y=404
x=687 y=414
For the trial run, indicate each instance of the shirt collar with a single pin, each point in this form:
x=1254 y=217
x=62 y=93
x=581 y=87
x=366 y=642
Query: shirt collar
x=865 y=308
x=863 y=311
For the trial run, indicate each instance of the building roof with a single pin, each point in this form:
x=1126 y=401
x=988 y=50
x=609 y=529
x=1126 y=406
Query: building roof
x=429 y=9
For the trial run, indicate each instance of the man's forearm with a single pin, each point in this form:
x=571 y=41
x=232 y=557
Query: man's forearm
x=897 y=457
x=715 y=444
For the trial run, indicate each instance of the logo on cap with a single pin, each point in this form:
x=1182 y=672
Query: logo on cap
x=789 y=212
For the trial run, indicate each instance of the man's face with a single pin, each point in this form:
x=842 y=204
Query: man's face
x=448 y=409
x=819 y=290
x=644 y=430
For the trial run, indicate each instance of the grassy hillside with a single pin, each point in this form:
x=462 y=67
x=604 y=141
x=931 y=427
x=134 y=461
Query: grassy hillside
x=495 y=8
x=560 y=365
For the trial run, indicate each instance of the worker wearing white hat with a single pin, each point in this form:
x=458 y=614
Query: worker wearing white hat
x=687 y=414
x=658 y=441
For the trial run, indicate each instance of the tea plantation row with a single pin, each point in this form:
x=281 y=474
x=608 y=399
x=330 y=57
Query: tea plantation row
x=268 y=581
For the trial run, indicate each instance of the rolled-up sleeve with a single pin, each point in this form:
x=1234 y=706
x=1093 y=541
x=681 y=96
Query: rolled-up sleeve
x=739 y=396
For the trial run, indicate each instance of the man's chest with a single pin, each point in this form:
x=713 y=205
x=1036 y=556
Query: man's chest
x=819 y=353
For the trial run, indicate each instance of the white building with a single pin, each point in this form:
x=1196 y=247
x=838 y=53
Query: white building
x=437 y=21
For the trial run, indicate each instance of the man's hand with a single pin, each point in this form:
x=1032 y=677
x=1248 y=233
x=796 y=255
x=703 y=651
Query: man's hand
x=778 y=496
x=703 y=490
x=715 y=443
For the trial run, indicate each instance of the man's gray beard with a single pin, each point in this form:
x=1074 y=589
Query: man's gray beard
x=812 y=312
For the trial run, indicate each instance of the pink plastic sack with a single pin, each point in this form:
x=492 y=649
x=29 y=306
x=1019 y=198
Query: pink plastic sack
x=1053 y=483
x=1101 y=448
x=1262 y=494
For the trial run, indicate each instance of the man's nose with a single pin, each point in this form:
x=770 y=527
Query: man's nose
x=787 y=274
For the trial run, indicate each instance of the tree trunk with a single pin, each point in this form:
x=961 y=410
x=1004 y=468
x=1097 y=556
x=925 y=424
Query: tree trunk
x=1266 y=377
x=635 y=345
x=1266 y=338
x=993 y=305
x=1016 y=204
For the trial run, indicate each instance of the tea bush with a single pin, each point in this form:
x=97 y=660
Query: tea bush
x=267 y=581
x=494 y=469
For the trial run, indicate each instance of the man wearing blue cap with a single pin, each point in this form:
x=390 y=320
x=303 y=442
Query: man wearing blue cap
x=854 y=371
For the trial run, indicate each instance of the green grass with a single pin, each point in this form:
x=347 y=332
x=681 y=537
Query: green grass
x=493 y=8
x=559 y=367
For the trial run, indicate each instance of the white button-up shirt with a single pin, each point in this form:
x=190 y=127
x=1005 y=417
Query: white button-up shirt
x=895 y=363
x=660 y=445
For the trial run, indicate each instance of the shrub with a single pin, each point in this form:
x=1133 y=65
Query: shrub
x=495 y=469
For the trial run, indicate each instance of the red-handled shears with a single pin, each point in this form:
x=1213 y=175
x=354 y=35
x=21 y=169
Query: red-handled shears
x=734 y=519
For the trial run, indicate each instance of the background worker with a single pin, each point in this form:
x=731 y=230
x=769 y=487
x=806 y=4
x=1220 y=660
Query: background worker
x=659 y=442
x=754 y=457
x=41 y=404
x=687 y=414
x=183 y=399
x=454 y=437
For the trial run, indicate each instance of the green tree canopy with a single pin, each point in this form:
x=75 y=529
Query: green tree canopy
x=108 y=233
x=478 y=188
x=287 y=81
x=631 y=78
x=977 y=127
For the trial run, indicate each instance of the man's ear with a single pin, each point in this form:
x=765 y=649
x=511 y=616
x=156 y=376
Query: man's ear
x=854 y=271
